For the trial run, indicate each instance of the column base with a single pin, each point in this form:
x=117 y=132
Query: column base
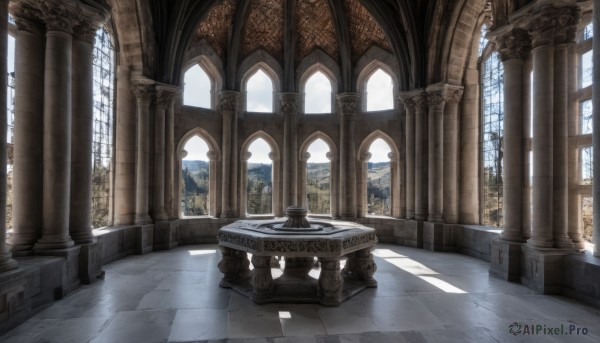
x=53 y=242
x=416 y=227
x=70 y=272
x=437 y=237
x=22 y=245
x=90 y=263
x=540 y=242
x=165 y=234
x=84 y=237
x=541 y=269
x=144 y=239
x=160 y=216
x=506 y=260
x=141 y=219
x=7 y=263
x=563 y=243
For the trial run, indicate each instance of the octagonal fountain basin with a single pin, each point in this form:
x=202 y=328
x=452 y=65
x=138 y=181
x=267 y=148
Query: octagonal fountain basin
x=301 y=242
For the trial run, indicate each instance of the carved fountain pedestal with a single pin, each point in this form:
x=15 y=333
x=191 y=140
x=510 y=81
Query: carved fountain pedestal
x=299 y=242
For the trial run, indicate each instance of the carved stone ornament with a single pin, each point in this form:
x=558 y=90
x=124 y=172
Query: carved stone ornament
x=229 y=101
x=454 y=96
x=164 y=99
x=212 y=155
x=86 y=32
x=435 y=98
x=306 y=156
x=142 y=91
x=348 y=103
x=289 y=102
x=246 y=156
x=59 y=16
x=331 y=156
x=553 y=25
x=391 y=156
x=515 y=45
x=27 y=18
x=420 y=100
x=408 y=102
x=365 y=156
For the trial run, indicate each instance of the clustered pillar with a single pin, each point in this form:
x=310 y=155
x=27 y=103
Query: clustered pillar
x=229 y=108
x=436 y=101
x=289 y=109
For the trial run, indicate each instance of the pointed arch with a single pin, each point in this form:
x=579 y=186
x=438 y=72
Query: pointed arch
x=260 y=60
x=362 y=168
x=333 y=156
x=275 y=156
x=365 y=75
x=203 y=55
x=214 y=156
x=310 y=72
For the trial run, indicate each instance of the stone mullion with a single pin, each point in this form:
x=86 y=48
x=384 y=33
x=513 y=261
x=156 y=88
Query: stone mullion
x=451 y=157
x=164 y=99
x=80 y=224
x=349 y=105
x=289 y=108
x=57 y=127
x=410 y=154
x=125 y=150
x=28 y=132
x=229 y=105
x=436 y=102
x=170 y=161
x=420 y=137
x=142 y=93
x=6 y=261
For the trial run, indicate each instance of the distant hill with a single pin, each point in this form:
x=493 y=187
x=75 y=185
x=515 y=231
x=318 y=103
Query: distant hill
x=260 y=171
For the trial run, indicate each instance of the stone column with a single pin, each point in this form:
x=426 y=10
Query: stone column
x=170 y=178
x=451 y=154
x=229 y=106
x=28 y=131
x=596 y=126
x=125 y=149
x=526 y=131
x=541 y=29
x=349 y=105
x=420 y=144
x=409 y=124
x=470 y=132
x=142 y=90
x=6 y=262
x=80 y=224
x=514 y=48
x=289 y=109
x=436 y=101
x=57 y=127
x=164 y=98
x=564 y=37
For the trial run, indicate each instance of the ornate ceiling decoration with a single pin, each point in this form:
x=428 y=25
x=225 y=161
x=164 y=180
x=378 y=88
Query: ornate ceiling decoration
x=315 y=27
x=364 y=30
x=264 y=28
x=215 y=26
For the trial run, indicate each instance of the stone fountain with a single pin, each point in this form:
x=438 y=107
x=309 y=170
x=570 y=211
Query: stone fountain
x=299 y=241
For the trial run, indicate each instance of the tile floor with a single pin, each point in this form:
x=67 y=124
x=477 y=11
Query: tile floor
x=173 y=296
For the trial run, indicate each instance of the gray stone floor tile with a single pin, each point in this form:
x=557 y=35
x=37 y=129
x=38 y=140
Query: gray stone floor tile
x=199 y=324
x=138 y=326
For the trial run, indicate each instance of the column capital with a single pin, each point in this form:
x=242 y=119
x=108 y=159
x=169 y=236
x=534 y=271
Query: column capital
x=92 y=15
x=59 y=16
x=514 y=45
x=142 y=91
x=289 y=102
x=27 y=18
x=454 y=94
x=406 y=100
x=348 y=102
x=229 y=101
x=553 y=25
x=165 y=95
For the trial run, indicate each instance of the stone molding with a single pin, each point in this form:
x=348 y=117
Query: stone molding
x=407 y=101
x=229 y=101
x=436 y=98
x=164 y=99
x=514 y=45
x=142 y=91
x=27 y=18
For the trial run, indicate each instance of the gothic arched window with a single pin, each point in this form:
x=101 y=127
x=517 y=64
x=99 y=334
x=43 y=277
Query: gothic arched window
x=259 y=92
x=102 y=141
x=318 y=178
x=379 y=179
x=198 y=88
x=259 y=178
x=195 y=178
x=492 y=126
x=317 y=94
x=379 y=91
